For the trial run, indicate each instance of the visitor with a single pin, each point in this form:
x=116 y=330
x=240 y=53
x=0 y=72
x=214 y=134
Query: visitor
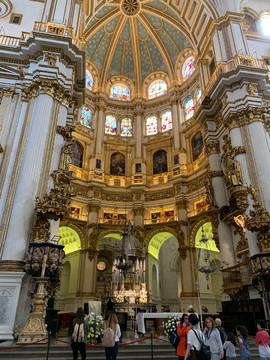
x=229 y=346
x=182 y=331
x=213 y=339
x=222 y=333
x=111 y=352
x=193 y=337
x=243 y=342
x=79 y=335
x=262 y=341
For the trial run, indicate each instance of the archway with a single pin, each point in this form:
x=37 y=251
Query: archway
x=63 y=292
x=164 y=280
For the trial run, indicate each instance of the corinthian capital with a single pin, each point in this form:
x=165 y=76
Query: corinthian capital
x=212 y=147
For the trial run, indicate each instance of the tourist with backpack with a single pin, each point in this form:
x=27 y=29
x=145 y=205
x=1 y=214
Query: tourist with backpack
x=262 y=341
x=182 y=331
x=194 y=339
x=79 y=335
x=213 y=339
x=243 y=342
x=111 y=337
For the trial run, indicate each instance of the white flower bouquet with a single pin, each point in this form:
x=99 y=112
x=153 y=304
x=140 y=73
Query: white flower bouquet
x=95 y=326
x=170 y=325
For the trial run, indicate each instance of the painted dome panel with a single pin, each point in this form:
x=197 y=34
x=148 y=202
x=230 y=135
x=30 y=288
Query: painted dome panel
x=116 y=65
x=142 y=32
x=94 y=43
x=101 y=52
x=157 y=4
x=157 y=59
x=126 y=32
x=104 y=10
x=128 y=66
x=169 y=11
x=146 y=64
x=91 y=23
x=178 y=38
x=111 y=25
x=155 y=21
x=170 y=45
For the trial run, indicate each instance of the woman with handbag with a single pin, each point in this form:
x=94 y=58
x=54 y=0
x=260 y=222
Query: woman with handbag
x=182 y=331
x=111 y=352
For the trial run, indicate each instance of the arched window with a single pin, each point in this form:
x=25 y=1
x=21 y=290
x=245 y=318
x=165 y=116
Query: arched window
x=198 y=94
x=265 y=21
x=110 y=125
x=189 y=108
x=166 y=120
x=197 y=145
x=157 y=88
x=77 y=154
x=88 y=80
x=126 y=127
x=86 y=116
x=120 y=92
x=160 y=162
x=188 y=68
x=151 y=125
x=117 y=164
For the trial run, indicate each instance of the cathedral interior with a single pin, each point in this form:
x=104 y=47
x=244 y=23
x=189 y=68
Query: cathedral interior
x=146 y=115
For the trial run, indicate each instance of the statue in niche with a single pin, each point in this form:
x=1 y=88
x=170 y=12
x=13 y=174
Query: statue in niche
x=66 y=156
x=209 y=192
x=234 y=172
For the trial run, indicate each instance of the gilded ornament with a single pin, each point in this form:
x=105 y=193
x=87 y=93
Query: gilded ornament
x=54 y=256
x=93 y=208
x=215 y=173
x=138 y=196
x=209 y=192
x=8 y=91
x=252 y=89
x=183 y=251
x=139 y=211
x=240 y=194
x=234 y=172
x=66 y=156
x=152 y=196
x=181 y=204
x=212 y=147
x=66 y=131
x=242 y=244
x=1 y=149
x=96 y=193
x=38 y=254
x=50 y=58
x=224 y=100
x=40 y=230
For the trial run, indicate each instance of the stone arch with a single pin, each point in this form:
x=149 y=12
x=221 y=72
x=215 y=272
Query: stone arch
x=80 y=232
x=168 y=231
x=198 y=224
x=116 y=232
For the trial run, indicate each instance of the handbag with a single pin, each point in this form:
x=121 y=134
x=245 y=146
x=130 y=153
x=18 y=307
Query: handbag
x=174 y=339
x=204 y=353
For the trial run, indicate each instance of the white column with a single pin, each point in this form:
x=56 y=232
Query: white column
x=100 y=129
x=175 y=121
x=138 y=133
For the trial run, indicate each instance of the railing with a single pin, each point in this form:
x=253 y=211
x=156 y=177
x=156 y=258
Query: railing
x=13 y=41
x=225 y=67
x=162 y=219
x=113 y=221
x=78 y=216
x=59 y=30
x=237 y=275
x=198 y=211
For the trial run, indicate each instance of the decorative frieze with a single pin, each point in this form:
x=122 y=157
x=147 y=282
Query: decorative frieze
x=245 y=117
x=110 y=196
x=212 y=147
x=166 y=194
x=80 y=191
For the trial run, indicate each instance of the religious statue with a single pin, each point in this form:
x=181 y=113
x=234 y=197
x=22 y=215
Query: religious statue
x=234 y=172
x=209 y=192
x=66 y=156
x=253 y=192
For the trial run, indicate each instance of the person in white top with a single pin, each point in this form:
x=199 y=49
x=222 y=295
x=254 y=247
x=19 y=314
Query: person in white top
x=192 y=339
x=111 y=352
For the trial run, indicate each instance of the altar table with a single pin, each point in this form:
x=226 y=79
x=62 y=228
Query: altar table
x=141 y=316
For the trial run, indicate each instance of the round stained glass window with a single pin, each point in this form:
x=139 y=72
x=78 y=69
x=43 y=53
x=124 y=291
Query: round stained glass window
x=101 y=265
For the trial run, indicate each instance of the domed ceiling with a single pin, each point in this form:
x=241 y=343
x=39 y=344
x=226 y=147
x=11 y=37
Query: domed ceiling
x=134 y=39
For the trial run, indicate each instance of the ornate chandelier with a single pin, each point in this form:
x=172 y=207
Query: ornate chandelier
x=206 y=258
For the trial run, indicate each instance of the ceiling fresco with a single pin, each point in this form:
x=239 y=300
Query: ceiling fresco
x=135 y=46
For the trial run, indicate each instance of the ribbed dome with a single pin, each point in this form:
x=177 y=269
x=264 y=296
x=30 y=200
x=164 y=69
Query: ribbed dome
x=135 y=39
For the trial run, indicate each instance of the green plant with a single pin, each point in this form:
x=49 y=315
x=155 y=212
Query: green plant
x=170 y=325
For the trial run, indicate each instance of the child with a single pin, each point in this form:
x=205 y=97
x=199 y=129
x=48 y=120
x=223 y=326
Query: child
x=229 y=346
x=243 y=341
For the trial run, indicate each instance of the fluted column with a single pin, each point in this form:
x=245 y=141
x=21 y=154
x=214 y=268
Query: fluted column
x=138 y=133
x=226 y=245
x=175 y=121
x=100 y=128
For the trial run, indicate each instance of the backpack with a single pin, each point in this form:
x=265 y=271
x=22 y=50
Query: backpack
x=108 y=339
x=174 y=339
x=222 y=334
x=204 y=353
x=78 y=333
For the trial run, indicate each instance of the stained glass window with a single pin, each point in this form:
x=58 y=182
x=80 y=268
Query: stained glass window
x=120 y=92
x=151 y=125
x=166 y=120
x=110 y=125
x=198 y=94
x=88 y=80
x=157 y=88
x=126 y=127
x=86 y=116
x=189 y=108
x=188 y=68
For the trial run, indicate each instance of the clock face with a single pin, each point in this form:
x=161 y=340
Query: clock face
x=101 y=265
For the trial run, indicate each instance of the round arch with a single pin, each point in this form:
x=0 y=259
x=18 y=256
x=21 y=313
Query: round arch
x=108 y=234
x=80 y=235
x=194 y=231
x=156 y=238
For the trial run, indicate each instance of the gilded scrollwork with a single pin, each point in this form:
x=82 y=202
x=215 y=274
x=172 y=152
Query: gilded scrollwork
x=66 y=131
x=181 y=204
x=212 y=147
x=215 y=173
x=50 y=58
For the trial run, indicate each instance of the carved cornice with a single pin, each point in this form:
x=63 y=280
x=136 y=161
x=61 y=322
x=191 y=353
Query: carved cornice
x=166 y=194
x=212 y=147
x=240 y=193
x=110 y=196
x=8 y=91
x=181 y=204
x=245 y=117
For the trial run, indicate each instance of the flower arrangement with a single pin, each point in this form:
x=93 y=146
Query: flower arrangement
x=191 y=309
x=170 y=325
x=95 y=326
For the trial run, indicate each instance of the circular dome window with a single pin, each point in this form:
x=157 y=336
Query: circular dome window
x=101 y=265
x=130 y=7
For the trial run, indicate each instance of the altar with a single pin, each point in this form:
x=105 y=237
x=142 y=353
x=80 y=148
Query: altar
x=142 y=316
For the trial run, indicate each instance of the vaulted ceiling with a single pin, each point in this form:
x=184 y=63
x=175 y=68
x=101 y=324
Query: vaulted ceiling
x=134 y=39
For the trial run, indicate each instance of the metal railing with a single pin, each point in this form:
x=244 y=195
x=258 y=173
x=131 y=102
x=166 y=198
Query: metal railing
x=78 y=216
x=113 y=221
x=162 y=219
x=237 y=275
x=198 y=211
x=228 y=66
